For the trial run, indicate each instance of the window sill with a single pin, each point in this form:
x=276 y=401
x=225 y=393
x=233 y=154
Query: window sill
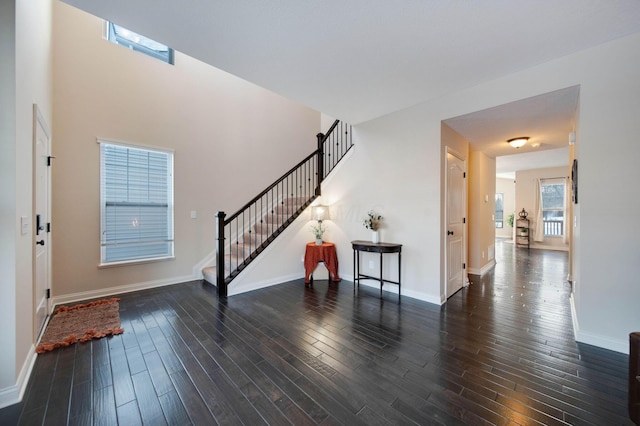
x=134 y=262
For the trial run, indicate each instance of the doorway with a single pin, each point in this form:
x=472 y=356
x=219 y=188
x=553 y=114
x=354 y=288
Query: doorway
x=41 y=225
x=456 y=201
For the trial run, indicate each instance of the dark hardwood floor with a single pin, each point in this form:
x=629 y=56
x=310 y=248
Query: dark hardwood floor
x=499 y=352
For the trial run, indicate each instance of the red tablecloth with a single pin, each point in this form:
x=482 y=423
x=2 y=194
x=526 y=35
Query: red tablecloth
x=324 y=253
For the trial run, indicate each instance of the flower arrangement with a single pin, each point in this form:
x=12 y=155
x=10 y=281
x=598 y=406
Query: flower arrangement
x=318 y=230
x=372 y=221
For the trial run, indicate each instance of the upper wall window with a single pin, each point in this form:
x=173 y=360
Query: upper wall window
x=139 y=43
x=136 y=196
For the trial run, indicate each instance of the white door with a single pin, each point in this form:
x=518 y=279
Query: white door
x=455 y=224
x=41 y=228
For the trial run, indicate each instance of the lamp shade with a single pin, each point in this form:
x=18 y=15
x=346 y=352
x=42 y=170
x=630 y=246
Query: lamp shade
x=320 y=213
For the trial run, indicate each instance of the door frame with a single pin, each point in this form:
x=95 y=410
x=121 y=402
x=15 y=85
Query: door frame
x=39 y=121
x=445 y=221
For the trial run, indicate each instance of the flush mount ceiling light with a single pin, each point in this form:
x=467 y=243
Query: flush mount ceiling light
x=518 y=142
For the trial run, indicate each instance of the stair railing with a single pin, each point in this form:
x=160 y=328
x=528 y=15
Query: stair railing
x=241 y=237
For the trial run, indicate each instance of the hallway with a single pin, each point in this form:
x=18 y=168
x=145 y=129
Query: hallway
x=499 y=352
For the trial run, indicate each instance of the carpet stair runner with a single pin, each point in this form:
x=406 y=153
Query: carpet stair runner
x=260 y=232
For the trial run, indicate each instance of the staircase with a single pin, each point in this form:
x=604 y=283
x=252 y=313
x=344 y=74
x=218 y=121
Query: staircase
x=258 y=237
x=241 y=237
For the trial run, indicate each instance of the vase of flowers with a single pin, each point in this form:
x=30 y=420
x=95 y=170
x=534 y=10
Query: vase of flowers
x=372 y=222
x=318 y=230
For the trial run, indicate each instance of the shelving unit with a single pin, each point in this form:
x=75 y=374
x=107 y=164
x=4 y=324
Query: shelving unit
x=522 y=232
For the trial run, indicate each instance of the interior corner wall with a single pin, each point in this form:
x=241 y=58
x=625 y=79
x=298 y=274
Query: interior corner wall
x=230 y=139
x=508 y=189
x=25 y=79
x=482 y=207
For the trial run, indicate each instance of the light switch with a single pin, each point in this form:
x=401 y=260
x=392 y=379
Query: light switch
x=194 y=214
x=25 y=223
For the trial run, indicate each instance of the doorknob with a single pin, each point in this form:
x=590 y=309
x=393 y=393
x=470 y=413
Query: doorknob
x=41 y=242
x=449 y=232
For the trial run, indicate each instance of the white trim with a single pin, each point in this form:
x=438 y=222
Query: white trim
x=110 y=291
x=13 y=394
x=486 y=268
x=603 y=342
x=443 y=223
x=592 y=339
x=135 y=262
x=263 y=284
x=392 y=288
x=135 y=145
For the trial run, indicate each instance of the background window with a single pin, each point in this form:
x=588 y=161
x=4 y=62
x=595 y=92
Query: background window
x=136 y=196
x=499 y=210
x=552 y=193
x=139 y=43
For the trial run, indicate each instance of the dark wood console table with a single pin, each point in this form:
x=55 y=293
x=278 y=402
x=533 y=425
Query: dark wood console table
x=367 y=246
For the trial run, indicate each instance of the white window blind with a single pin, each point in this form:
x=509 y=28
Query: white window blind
x=136 y=188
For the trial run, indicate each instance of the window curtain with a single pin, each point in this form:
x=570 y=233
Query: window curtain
x=538 y=232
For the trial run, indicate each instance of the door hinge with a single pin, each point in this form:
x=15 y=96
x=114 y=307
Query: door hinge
x=464 y=220
x=464 y=175
x=464 y=266
x=48 y=293
x=49 y=158
x=49 y=227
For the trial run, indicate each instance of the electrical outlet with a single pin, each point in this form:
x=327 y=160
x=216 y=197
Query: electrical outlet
x=194 y=214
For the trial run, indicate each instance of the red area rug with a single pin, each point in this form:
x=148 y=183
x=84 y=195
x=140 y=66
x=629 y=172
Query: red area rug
x=81 y=323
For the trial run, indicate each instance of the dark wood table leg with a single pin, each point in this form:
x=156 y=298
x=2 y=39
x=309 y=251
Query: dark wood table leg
x=381 y=280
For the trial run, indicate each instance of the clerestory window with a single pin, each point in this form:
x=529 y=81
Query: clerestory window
x=139 y=43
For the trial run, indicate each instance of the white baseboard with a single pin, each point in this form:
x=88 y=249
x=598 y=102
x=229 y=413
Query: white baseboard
x=486 y=268
x=391 y=288
x=235 y=290
x=603 y=342
x=110 y=291
x=595 y=340
x=13 y=394
x=209 y=260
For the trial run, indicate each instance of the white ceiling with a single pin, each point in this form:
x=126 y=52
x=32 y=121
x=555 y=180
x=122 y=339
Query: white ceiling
x=546 y=119
x=361 y=59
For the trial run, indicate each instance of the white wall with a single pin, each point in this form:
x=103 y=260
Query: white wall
x=397 y=161
x=231 y=139
x=25 y=79
x=526 y=192
x=8 y=208
x=508 y=189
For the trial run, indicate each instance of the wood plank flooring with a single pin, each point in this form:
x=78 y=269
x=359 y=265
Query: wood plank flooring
x=499 y=352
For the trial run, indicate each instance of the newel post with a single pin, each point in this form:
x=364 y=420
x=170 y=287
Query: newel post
x=320 y=137
x=220 y=282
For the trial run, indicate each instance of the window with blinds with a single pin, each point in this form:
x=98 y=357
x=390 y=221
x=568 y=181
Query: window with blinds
x=136 y=197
